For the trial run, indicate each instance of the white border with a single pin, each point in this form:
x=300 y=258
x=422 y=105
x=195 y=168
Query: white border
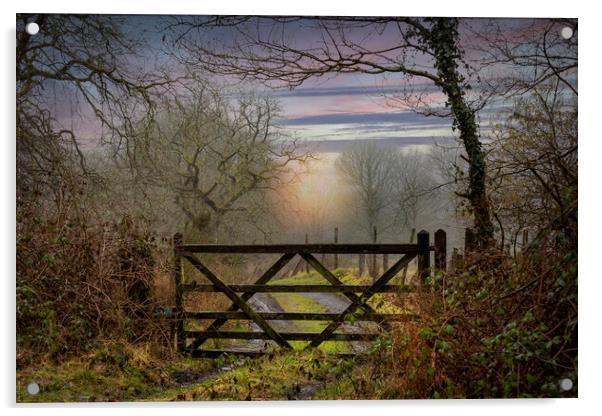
x=589 y=153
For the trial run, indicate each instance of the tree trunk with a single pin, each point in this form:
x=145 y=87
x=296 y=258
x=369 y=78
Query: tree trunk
x=443 y=41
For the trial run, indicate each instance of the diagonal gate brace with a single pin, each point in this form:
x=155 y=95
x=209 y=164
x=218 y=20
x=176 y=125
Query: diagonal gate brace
x=361 y=300
x=237 y=300
x=265 y=278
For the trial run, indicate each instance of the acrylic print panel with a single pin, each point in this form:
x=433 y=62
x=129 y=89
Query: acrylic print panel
x=293 y=208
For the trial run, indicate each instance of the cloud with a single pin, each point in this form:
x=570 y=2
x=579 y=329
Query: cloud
x=406 y=117
x=353 y=90
x=337 y=146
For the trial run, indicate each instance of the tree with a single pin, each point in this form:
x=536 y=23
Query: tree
x=533 y=155
x=389 y=185
x=534 y=166
x=370 y=170
x=520 y=60
x=85 y=64
x=213 y=156
x=415 y=186
x=267 y=49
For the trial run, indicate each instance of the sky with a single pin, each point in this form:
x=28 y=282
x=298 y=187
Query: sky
x=335 y=110
x=330 y=111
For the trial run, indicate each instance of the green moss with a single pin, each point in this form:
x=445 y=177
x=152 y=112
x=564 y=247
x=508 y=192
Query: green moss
x=271 y=377
x=113 y=373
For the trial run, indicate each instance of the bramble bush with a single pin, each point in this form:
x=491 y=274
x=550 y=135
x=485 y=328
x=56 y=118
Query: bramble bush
x=74 y=285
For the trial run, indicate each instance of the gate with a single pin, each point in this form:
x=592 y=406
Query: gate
x=189 y=342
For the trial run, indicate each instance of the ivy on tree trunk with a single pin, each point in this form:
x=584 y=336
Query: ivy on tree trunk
x=442 y=41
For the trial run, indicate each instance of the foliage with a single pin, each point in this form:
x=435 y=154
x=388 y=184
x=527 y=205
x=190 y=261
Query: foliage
x=114 y=371
x=78 y=284
x=534 y=167
x=497 y=328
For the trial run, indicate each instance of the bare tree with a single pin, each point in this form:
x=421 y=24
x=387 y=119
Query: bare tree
x=268 y=49
x=214 y=156
x=533 y=154
x=534 y=165
x=415 y=186
x=527 y=57
x=88 y=63
x=371 y=172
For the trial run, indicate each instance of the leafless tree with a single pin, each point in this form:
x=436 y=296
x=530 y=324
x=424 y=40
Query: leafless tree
x=530 y=54
x=371 y=172
x=534 y=166
x=416 y=186
x=86 y=62
x=533 y=155
x=216 y=156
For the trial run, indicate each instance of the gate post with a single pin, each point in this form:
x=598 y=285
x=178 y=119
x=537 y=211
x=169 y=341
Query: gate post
x=178 y=325
x=440 y=251
x=424 y=255
x=469 y=240
x=336 y=241
x=372 y=266
x=360 y=263
x=306 y=264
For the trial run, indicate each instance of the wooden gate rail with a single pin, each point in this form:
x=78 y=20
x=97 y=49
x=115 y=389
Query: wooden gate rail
x=298 y=288
x=297 y=316
x=304 y=248
x=239 y=294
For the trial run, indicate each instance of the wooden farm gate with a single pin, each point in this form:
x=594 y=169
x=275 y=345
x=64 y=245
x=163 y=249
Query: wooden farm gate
x=189 y=342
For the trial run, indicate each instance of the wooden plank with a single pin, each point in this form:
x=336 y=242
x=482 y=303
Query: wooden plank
x=303 y=248
x=469 y=240
x=178 y=325
x=361 y=300
x=440 y=251
x=289 y=336
x=404 y=273
x=242 y=304
x=306 y=243
x=300 y=288
x=336 y=241
x=298 y=316
x=424 y=255
x=361 y=261
x=217 y=353
x=372 y=269
x=264 y=278
x=196 y=353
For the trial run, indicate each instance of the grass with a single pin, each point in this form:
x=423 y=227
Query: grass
x=114 y=372
x=295 y=302
x=278 y=376
x=124 y=373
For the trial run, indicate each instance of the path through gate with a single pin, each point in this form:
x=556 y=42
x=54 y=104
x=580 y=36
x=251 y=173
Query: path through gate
x=190 y=342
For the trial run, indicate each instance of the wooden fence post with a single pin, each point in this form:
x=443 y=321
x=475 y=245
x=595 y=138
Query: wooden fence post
x=373 y=271
x=456 y=260
x=525 y=239
x=404 y=273
x=424 y=255
x=336 y=241
x=440 y=251
x=306 y=263
x=468 y=240
x=361 y=263
x=178 y=325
